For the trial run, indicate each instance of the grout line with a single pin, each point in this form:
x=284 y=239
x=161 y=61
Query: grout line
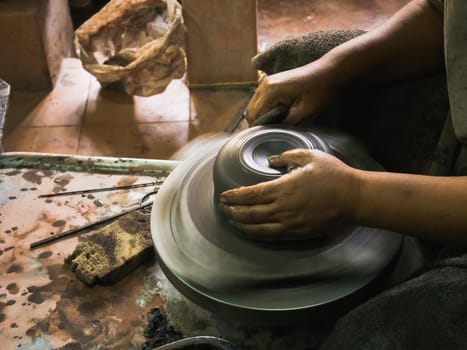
x=85 y=110
x=47 y=126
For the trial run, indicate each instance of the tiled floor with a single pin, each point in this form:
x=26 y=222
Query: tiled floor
x=79 y=117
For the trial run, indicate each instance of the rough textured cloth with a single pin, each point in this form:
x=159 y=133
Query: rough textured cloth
x=426 y=312
x=298 y=51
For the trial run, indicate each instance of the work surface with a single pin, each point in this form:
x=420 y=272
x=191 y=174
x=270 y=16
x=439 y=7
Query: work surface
x=42 y=303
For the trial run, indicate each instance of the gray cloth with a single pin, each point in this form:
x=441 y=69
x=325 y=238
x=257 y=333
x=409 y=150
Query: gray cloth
x=426 y=312
x=298 y=51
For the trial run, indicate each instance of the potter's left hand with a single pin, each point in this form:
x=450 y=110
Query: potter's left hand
x=320 y=194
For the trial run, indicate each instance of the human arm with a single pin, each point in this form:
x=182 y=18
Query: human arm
x=410 y=43
x=428 y=207
x=324 y=193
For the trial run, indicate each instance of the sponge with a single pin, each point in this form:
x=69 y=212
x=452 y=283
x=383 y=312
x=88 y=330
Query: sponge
x=108 y=255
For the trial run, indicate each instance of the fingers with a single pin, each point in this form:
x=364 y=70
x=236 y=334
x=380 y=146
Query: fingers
x=300 y=157
x=250 y=214
x=269 y=231
x=273 y=231
x=259 y=105
x=281 y=109
x=267 y=96
x=262 y=193
x=259 y=220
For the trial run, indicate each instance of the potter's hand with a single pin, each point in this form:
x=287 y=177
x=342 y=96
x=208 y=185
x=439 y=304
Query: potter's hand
x=321 y=193
x=291 y=53
x=304 y=91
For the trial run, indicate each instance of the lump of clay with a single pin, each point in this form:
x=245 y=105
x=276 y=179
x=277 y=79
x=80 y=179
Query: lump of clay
x=134 y=45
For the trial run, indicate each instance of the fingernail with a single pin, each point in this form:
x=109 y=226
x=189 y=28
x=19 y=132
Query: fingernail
x=274 y=157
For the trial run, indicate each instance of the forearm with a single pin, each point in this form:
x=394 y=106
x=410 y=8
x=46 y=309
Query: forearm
x=409 y=44
x=425 y=206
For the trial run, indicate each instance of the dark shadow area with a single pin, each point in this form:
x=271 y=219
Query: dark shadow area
x=82 y=10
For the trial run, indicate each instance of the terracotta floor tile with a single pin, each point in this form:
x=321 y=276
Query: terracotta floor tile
x=57 y=139
x=157 y=140
x=110 y=106
x=63 y=106
x=140 y=140
x=22 y=106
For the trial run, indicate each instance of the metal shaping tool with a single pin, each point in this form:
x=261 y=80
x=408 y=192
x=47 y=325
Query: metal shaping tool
x=103 y=189
x=274 y=116
x=261 y=282
x=145 y=203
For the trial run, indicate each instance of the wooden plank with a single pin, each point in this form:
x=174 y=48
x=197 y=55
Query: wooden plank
x=221 y=40
x=35 y=36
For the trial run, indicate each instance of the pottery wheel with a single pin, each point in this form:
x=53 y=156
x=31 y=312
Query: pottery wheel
x=226 y=272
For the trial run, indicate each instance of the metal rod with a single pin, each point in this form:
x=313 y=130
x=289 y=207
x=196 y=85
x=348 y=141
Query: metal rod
x=234 y=123
x=68 y=233
x=103 y=189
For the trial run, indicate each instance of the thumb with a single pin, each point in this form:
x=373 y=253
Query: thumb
x=298 y=157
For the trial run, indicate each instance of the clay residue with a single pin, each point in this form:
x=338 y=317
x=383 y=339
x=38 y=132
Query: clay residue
x=59 y=223
x=35 y=176
x=100 y=316
x=15 y=268
x=61 y=182
x=127 y=181
x=12 y=288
